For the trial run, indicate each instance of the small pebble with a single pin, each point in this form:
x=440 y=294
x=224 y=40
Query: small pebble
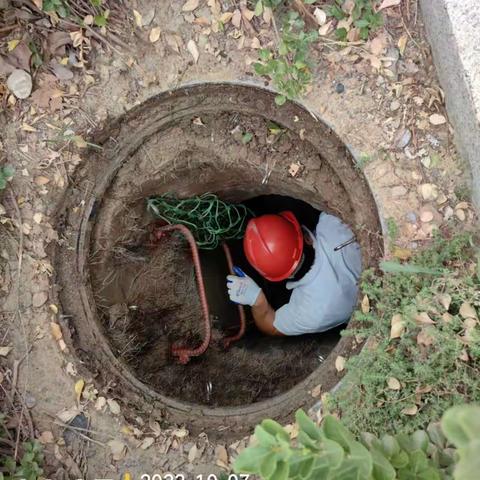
x=426 y=216
x=339 y=87
x=30 y=400
x=395 y=105
x=411 y=217
x=460 y=214
x=448 y=213
x=399 y=191
x=403 y=139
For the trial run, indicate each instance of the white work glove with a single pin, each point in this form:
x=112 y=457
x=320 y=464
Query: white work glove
x=242 y=289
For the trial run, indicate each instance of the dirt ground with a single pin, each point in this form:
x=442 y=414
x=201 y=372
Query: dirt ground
x=383 y=114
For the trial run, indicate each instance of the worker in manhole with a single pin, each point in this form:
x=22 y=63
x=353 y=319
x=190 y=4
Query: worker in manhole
x=322 y=268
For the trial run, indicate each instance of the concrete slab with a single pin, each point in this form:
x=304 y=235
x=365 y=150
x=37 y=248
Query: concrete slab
x=453 y=30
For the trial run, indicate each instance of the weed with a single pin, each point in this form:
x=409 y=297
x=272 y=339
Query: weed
x=419 y=336
x=60 y=7
x=392 y=230
x=289 y=67
x=363 y=15
x=29 y=467
x=247 y=137
x=6 y=174
x=463 y=193
x=363 y=160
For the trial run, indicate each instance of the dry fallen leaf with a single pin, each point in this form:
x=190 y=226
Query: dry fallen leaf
x=255 y=43
x=320 y=16
x=467 y=311
x=138 y=18
x=70 y=369
x=39 y=299
x=56 y=331
x=68 y=414
x=192 y=48
x=118 y=449
x=295 y=168
x=41 y=180
x=378 y=44
x=46 y=437
x=237 y=18
x=340 y=363
x=424 y=337
x=464 y=356
x=402 y=44
x=180 y=433
x=393 y=384
x=447 y=318
x=20 y=83
x=429 y=191
x=410 y=410
x=100 y=403
x=114 y=406
x=324 y=29
x=79 y=386
x=388 y=3
x=147 y=443
x=190 y=5
x=28 y=128
x=4 y=351
x=316 y=391
x=445 y=300
x=460 y=214
x=192 y=453
x=365 y=304
x=154 y=34
x=423 y=318
x=437 y=119
x=198 y=121
x=397 y=326
x=221 y=455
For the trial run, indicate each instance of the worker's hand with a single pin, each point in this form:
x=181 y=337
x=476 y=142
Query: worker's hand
x=242 y=289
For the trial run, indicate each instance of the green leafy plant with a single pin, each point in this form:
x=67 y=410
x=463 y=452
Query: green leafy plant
x=29 y=467
x=6 y=174
x=392 y=229
x=60 y=7
x=289 y=67
x=247 y=137
x=273 y=4
x=364 y=17
x=331 y=451
x=423 y=349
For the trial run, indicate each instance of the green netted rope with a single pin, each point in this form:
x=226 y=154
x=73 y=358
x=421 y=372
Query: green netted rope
x=210 y=220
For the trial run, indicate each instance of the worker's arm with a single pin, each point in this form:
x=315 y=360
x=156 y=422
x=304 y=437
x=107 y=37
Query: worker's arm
x=264 y=315
x=243 y=290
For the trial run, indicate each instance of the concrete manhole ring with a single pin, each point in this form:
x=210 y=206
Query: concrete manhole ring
x=189 y=141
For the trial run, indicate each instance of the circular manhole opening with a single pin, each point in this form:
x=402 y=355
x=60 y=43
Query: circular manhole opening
x=129 y=300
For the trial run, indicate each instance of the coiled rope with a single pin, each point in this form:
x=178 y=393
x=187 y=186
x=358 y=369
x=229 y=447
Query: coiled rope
x=210 y=220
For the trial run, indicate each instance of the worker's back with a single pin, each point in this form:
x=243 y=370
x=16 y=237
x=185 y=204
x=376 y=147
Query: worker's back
x=326 y=296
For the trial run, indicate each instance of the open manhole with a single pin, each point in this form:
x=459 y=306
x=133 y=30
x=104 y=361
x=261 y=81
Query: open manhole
x=129 y=300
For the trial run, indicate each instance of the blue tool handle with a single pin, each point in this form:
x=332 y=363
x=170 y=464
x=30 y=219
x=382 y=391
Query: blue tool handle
x=239 y=272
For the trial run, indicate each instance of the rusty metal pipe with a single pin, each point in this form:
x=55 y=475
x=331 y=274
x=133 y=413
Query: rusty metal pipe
x=184 y=353
x=241 y=310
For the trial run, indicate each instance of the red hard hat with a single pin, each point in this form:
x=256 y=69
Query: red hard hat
x=273 y=245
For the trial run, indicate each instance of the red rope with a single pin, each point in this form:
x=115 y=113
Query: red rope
x=184 y=353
